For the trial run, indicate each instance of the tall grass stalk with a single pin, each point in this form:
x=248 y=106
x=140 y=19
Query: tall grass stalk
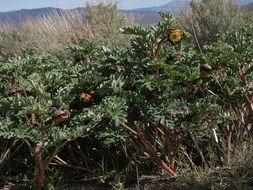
x=53 y=32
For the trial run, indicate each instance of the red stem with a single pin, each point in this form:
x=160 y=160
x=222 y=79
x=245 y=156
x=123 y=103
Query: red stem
x=41 y=166
x=32 y=119
x=250 y=113
x=155 y=156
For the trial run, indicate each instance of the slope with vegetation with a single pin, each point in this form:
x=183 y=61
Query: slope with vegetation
x=53 y=33
x=248 y=8
x=158 y=106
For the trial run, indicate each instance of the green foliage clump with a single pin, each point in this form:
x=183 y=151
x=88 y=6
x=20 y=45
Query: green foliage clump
x=149 y=103
x=104 y=21
x=210 y=19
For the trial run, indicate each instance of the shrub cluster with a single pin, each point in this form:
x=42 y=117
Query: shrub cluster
x=125 y=108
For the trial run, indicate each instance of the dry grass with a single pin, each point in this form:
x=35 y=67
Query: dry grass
x=48 y=34
x=52 y=33
x=236 y=174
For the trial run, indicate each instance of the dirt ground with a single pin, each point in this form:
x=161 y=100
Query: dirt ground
x=145 y=183
x=220 y=180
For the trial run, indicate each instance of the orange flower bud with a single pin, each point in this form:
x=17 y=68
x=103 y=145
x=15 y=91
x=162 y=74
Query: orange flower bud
x=60 y=115
x=86 y=97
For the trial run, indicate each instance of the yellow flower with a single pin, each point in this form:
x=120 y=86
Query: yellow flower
x=175 y=36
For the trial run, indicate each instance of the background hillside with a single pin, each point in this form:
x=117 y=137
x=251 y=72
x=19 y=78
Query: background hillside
x=16 y=17
x=142 y=16
x=248 y=8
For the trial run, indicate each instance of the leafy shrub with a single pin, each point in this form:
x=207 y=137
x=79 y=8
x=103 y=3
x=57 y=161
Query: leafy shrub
x=209 y=20
x=145 y=102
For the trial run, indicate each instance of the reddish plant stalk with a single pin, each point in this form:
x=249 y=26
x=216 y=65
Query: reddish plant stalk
x=38 y=182
x=43 y=164
x=250 y=113
x=41 y=172
x=32 y=119
x=161 y=163
x=155 y=155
